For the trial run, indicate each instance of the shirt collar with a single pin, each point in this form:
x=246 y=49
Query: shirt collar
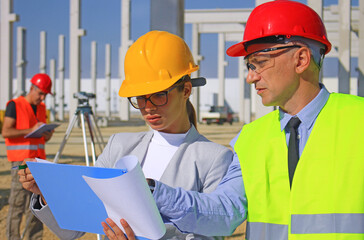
x=309 y=113
x=174 y=139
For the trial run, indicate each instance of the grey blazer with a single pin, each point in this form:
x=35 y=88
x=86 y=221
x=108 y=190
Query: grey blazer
x=198 y=165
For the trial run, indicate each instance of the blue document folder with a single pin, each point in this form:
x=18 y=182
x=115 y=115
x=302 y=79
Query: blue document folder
x=72 y=202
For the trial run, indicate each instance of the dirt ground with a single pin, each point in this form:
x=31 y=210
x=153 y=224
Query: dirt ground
x=73 y=153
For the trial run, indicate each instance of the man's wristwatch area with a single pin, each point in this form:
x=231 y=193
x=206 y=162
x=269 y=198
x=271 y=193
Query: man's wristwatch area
x=151 y=184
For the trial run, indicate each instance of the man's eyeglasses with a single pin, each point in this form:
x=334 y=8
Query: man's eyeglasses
x=258 y=61
x=157 y=99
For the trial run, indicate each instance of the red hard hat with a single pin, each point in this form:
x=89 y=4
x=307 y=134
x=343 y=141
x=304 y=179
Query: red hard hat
x=281 y=17
x=43 y=82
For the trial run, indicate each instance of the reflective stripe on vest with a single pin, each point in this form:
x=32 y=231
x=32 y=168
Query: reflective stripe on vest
x=22 y=147
x=25 y=147
x=327 y=223
x=307 y=224
x=266 y=231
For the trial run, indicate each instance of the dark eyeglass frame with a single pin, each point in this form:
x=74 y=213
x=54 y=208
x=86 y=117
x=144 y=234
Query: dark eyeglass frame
x=252 y=67
x=150 y=100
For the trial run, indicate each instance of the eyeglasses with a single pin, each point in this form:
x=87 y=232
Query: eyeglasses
x=259 y=62
x=157 y=99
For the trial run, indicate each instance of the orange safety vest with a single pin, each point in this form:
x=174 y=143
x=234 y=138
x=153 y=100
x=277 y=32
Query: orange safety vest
x=20 y=148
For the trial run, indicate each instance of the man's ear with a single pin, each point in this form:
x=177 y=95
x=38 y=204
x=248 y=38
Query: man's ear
x=303 y=59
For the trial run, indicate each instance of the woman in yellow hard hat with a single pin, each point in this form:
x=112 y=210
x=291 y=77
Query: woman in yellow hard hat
x=158 y=83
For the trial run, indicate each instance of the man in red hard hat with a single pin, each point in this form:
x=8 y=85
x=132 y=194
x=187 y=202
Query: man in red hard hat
x=296 y=161
x=22 y=116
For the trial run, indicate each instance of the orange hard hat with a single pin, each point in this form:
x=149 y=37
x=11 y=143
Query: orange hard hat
x=43 y=82
x=155 y=62
x=281 y=18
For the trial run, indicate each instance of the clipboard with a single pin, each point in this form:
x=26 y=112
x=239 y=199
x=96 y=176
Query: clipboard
x=82 y=197
x=38 y=132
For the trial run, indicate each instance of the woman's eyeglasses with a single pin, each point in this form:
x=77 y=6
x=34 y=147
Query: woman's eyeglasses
x=157 y=99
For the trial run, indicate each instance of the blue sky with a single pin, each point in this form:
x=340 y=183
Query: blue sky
x=101 y=20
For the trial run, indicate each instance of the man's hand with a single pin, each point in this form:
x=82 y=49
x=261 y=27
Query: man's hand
x=115 y=233
x=47 y=135
x=36 y=126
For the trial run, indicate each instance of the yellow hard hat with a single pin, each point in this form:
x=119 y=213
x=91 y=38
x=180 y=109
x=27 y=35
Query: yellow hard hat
x=155 y=62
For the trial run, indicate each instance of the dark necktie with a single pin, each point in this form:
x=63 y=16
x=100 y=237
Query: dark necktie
x=293 y=154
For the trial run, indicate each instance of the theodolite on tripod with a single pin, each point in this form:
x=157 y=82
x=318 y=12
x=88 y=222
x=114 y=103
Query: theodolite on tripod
x=82 y=113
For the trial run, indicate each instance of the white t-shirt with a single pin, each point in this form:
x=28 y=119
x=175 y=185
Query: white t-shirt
x=161 y=149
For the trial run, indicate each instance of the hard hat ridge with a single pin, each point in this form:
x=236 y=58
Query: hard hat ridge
x=155 y=62
x=43 y=82
x=281 y=18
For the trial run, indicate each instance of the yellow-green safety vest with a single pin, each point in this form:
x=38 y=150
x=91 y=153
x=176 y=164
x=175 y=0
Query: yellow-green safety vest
x=326 y=201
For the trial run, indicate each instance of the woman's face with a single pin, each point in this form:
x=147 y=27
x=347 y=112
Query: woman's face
x=171 y=117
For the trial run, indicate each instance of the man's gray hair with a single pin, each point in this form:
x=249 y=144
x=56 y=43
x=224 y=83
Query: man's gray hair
x=317 y=48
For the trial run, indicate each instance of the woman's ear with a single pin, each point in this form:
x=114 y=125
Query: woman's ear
x=303 y=59
x=187 y=89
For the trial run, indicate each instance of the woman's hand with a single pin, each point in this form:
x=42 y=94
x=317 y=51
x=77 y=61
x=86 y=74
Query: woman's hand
x=26 y=178
x=115 y=233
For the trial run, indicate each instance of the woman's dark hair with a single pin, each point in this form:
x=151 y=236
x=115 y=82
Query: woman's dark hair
x=190 y=109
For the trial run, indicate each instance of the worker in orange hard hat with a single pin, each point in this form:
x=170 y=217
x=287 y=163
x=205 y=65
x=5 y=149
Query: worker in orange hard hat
x=22 y=116
x=173 y=154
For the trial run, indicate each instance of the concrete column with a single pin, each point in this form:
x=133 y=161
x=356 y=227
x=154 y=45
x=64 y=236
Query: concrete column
x=61 y=70
x=108 y=80
x=6 y=50
x=21 y=61
x=75 y=53
x=43 y=52
x=317 y=5
x=197 y=57
x=172 y=20
x=258 y=2
x=361 y=50
x=124 y=113
x=260 y=109
x=52 y=75
x=93 y=74
x=221 y=69
x=344 y=45
x=245 y=109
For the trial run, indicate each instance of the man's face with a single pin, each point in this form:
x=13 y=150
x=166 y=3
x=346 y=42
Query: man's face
x=271 y=70
x=37 y=95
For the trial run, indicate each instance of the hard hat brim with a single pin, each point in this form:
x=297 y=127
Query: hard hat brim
x=237 y=50
x=198 y=82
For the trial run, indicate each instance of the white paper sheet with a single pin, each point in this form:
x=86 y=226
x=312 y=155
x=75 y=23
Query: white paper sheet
x=128 y=196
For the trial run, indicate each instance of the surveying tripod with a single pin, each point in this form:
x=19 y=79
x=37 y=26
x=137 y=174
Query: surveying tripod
x=84 y=113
